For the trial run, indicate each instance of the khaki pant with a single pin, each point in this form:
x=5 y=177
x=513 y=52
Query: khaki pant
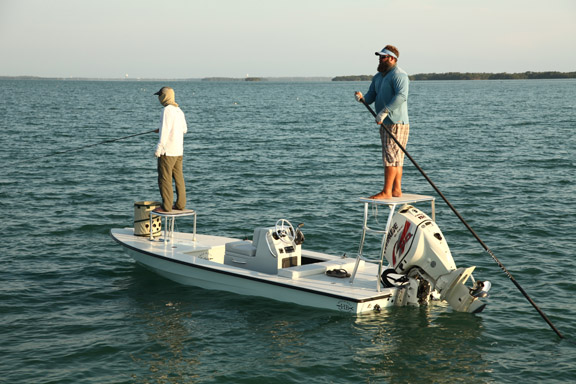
x=170 y=168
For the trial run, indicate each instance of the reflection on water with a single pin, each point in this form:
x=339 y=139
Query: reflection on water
x=405 y=342
x=169 y=356
x=190 y=338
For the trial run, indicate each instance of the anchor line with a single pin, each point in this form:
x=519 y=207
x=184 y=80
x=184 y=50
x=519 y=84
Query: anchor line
x=524 y=293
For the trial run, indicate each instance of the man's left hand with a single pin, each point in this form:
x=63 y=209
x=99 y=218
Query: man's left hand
x=381 y=116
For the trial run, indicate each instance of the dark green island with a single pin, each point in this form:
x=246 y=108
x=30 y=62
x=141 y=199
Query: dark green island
x=472 y=76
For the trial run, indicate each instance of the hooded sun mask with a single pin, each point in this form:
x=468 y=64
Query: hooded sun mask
x=166 y=96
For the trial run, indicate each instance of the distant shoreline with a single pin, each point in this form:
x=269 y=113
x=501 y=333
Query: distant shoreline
x=206 y=79
x=472 y=76
x=416 y=77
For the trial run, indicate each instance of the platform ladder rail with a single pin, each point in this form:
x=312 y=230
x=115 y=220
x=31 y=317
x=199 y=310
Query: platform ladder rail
x=169 y=220
x=392 y=203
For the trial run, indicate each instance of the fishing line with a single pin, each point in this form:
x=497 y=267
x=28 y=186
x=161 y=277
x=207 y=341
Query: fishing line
x=467 y=226
x=93 y=145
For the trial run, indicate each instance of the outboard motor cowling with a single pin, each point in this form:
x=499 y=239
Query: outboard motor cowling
x=416 y=247
x=415 y=240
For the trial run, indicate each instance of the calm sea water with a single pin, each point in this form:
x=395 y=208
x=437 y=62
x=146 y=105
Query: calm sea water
x=75 y=309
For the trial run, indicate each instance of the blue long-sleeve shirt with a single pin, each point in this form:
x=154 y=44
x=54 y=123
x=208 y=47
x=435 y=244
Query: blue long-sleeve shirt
x=390 y=91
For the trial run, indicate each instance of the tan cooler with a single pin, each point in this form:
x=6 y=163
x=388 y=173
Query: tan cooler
x=142 y=218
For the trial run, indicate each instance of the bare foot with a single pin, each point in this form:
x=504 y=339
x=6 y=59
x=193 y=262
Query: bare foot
x=380 y=196
x=160 y=210
x=397 y=193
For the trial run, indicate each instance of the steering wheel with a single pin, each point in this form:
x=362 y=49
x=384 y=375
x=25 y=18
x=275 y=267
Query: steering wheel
x=285 y=231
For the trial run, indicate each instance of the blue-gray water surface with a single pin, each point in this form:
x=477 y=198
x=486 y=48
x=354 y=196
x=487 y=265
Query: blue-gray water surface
x=74 y=308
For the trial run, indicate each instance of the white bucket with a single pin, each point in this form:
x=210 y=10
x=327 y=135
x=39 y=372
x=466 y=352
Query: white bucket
x=142 y=218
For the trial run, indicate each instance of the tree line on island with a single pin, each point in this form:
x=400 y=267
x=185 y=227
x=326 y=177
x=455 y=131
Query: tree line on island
x=472 y=76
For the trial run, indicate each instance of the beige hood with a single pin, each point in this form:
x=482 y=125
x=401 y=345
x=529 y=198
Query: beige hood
x=167 y=97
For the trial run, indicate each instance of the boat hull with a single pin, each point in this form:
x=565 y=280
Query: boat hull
x=178 y=263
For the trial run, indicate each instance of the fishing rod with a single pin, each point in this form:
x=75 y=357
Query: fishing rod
x=467 y=226
x=93 y=145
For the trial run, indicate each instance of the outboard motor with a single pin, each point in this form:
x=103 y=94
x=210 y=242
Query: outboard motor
x=416 y=249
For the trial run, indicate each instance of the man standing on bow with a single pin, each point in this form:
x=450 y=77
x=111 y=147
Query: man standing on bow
x=170 y=151
x=389 y=89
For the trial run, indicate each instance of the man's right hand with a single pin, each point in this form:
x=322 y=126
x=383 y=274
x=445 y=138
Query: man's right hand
x=359 y=96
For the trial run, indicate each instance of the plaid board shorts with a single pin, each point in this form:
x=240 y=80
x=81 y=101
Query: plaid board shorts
x=392 y=155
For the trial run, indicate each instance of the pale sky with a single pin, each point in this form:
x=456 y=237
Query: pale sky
x=270 y=38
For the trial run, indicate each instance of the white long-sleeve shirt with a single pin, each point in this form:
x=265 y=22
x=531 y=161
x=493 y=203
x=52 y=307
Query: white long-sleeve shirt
x=172 y=130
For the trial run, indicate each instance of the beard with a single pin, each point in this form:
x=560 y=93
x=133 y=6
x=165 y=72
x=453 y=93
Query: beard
x=384 y=66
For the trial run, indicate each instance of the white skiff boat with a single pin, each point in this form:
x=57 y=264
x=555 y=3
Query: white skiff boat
x=274 y=265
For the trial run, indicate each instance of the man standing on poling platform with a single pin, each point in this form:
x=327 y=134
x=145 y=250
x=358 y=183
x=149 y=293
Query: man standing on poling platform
x=389 y=89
